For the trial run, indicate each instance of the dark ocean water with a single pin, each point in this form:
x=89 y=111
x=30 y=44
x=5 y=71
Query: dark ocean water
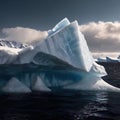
x=65 y=105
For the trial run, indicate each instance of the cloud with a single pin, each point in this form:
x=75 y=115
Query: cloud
x=24 y=35
x=102 y=36
x=104 y=54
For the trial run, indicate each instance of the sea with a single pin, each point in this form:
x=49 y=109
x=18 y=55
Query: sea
x=65 y=105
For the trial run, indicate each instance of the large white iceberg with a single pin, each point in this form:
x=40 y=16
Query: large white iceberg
x=67 y=62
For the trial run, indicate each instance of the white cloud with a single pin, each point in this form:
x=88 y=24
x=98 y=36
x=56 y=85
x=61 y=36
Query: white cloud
x=104 y=54
x=102 y=36
x=25 y=35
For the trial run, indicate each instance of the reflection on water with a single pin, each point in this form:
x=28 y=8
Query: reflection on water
x=64 y=105
x=81 y=105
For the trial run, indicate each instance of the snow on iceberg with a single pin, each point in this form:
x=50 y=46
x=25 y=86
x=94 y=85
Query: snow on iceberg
x=61 y=61
x=59 y=26
x=110 y=59
x=8 y=55
x=101 y=59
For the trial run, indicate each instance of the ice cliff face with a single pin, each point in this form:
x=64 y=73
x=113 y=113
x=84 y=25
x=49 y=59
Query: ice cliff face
x=65 y=50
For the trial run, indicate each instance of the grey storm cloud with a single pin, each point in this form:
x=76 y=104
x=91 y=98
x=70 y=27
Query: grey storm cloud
x=102 y=36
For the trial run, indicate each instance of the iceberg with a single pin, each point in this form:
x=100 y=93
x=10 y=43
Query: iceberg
x=8 y=55
x=61 y=61
x=12 y=44
x=101 y=59
x=38 y=85
x=118 y=57
x=14 y=85
x=59 y=26
x=110 y=59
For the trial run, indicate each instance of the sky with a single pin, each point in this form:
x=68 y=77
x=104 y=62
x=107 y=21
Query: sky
x=99 y=20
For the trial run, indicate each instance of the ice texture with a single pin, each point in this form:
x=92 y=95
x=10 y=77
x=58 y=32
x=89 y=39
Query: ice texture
x=68 y=45
x=108 y=59
x=8 y=55
x=14 y=85
x=62 y=24
x=101 y=59
x=39 y=85
x=61 y=61
x=12 y=44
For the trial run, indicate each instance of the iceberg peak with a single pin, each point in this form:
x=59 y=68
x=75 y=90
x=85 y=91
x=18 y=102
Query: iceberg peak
x=62 y=24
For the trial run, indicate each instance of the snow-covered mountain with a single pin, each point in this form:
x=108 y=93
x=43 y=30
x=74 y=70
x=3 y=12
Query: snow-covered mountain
x=12 y=44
